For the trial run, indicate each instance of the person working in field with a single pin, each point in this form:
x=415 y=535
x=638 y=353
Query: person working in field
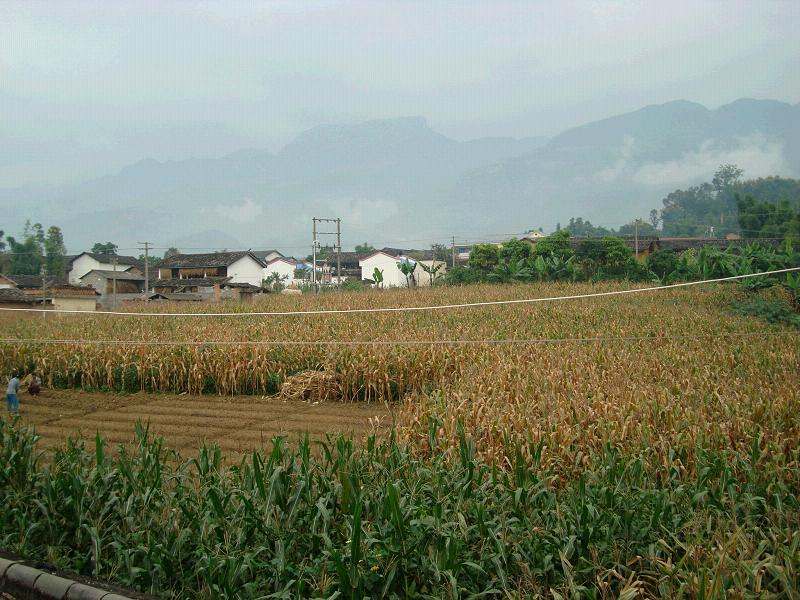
x=12 y=403
x=34 y=385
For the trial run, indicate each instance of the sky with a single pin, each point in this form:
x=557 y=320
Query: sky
x=88 y=87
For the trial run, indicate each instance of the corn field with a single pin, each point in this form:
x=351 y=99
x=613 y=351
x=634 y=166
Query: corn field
x=631 y=446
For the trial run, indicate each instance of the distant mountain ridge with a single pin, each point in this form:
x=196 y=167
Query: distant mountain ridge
x=397 y=179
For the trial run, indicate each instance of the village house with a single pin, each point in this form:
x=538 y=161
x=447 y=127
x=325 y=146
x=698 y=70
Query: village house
x=73 y=297
x=182 y=297
x=285 y=268
x=129 y=285
x=392 y=275
x=239 y=267
x=56 y=293
x=206 y=289
x=13 y=298
x=266 y=255
x=84 y=262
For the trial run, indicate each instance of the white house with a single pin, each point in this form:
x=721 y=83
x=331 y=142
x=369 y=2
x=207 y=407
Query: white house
x=241 y=267
x=284 y=267
x=392 y=275
x=266 y=256
x=81 y=264
x=424 y=278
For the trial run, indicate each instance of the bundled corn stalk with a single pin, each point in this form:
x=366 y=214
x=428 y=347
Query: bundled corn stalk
x=312 y=386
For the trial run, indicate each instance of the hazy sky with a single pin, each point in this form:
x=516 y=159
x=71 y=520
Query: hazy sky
x=86 y=87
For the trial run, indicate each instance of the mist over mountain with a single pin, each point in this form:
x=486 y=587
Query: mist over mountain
x=397 y=179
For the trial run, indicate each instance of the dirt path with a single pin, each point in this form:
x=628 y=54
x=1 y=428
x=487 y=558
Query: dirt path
x=238 y=424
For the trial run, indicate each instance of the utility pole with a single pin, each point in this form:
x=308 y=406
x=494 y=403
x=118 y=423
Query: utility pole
x=453 y=246
x=44 y=290
x=316 y=244
x=146 y=270
x=114 y=283
x=338 y=251
x=636 y=237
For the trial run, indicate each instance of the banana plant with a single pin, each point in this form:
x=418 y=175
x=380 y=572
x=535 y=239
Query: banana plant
x=377 y=277
x=407 y=267
x=432 y=270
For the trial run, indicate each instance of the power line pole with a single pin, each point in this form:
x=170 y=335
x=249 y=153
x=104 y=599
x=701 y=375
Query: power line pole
x=114 y=283
x=44 y=290
x=453 y=246
x=316 y=244
x=636 y=237
x=338 y=251
x=146 y=270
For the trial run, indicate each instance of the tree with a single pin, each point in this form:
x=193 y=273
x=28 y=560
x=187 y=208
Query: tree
x=484 y=257
x=275 y=282
x=606 y=257
x=108 y=248
x=27 y=256
x=726 y=176
x=644 y=229
x=364 y=248
x=515 y=250
x=556 y=245
x=655 y=218
x=663 y=263
x=171 y=251
x=441 y=252
x=55 y=250
x=580 y=228
x=760 y=219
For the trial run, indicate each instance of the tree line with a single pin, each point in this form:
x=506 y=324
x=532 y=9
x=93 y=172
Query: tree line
x=767 y=207
x=39 y=251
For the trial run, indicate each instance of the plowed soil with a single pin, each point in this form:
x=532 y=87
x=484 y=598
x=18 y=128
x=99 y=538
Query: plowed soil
x=237 y=424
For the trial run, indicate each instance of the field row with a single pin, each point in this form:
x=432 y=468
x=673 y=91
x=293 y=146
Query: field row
x=236 y=424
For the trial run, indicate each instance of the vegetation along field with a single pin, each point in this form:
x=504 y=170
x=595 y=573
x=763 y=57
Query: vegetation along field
x=643 y=445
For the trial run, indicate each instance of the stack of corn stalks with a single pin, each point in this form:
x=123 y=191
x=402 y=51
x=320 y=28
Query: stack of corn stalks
x=312 y=386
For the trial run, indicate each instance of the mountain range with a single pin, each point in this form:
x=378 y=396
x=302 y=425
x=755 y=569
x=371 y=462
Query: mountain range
x=399 y=182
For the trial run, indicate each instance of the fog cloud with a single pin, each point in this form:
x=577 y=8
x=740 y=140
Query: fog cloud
x=243 y=214
x=755 y=154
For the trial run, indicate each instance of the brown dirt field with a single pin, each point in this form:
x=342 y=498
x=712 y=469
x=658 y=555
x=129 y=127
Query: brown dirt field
x=238 y=424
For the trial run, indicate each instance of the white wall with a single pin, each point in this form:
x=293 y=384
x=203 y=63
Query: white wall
x=271 y=256
x=282 y=268
x=392 y=277
x=88 y=303
x=422 y=277
x=246 y=270
x=83 y=264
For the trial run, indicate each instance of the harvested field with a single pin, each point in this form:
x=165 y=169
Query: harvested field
x=238 y=424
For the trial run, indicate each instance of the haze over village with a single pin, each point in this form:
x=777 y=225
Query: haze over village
x=400 y=299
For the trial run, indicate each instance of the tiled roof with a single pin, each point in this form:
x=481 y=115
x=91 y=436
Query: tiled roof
x=182 y=297
x=34 y=281
x=120 y=275
x=262 y=254
x=15 y=296
x=130 y=261
x=211 y=259
x=189 y=282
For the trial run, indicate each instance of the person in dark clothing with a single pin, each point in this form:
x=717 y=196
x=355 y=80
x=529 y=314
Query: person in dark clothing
x=35 y=385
